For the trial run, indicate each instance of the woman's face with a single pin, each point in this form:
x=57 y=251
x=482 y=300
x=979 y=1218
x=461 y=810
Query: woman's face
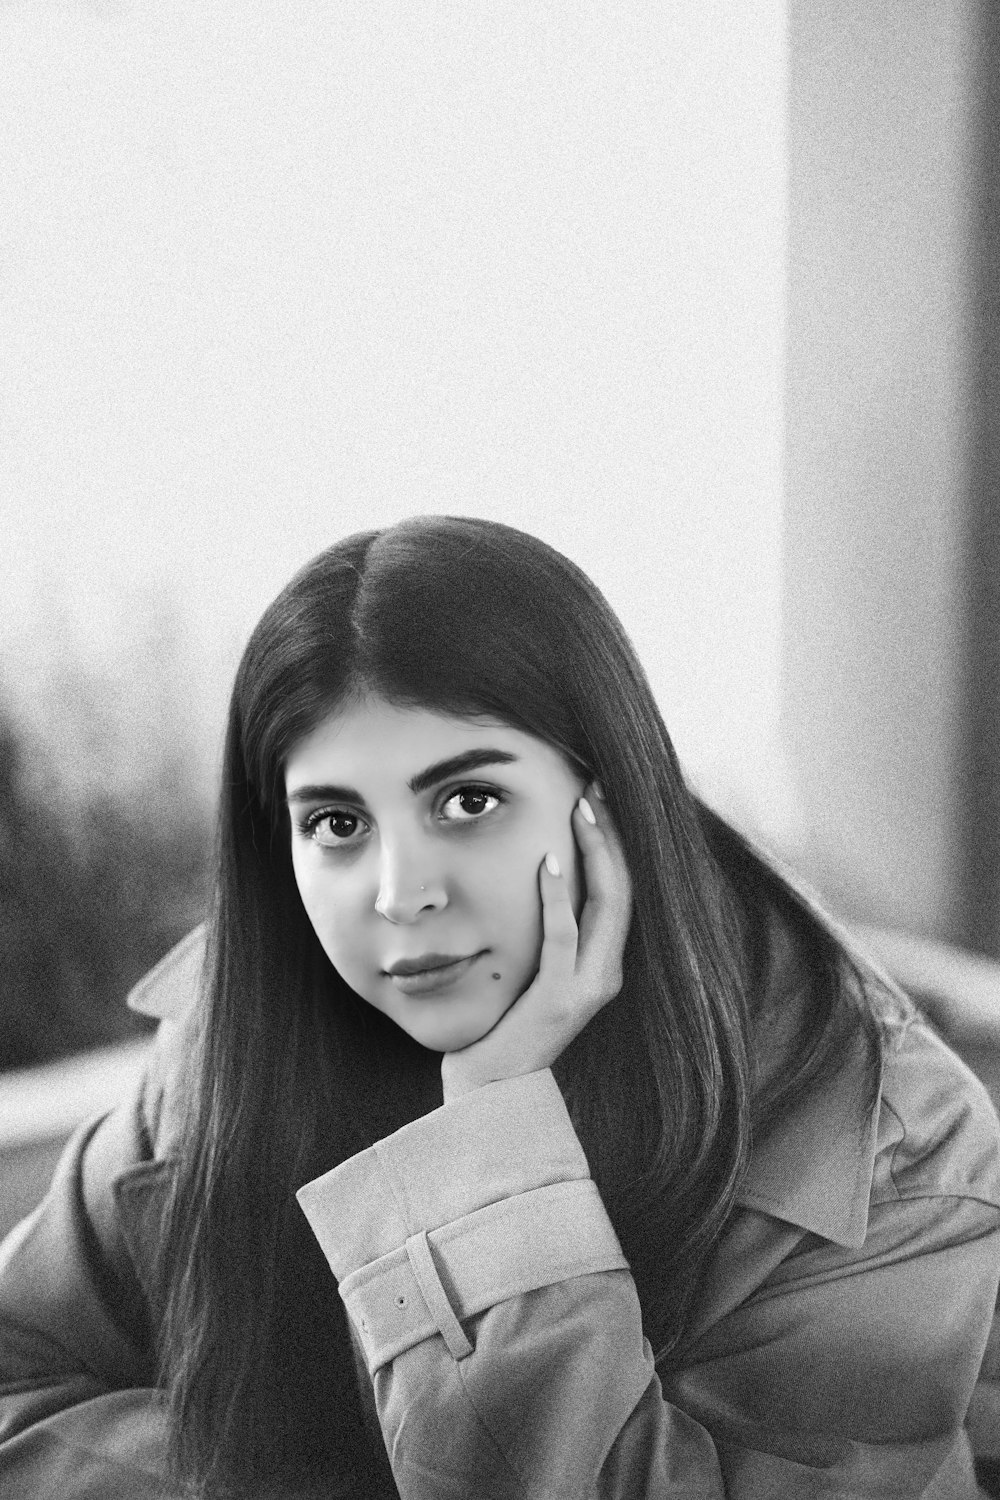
x=416 y=838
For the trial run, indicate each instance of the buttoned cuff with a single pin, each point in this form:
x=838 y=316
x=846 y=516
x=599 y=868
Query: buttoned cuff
x=486 y=1198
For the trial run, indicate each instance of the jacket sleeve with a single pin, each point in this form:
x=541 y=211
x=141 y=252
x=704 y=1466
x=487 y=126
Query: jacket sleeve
x=502 y=1330
x=79 y=1415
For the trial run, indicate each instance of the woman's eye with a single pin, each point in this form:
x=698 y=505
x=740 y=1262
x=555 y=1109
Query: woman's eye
x=332 y=828
x=469 y=803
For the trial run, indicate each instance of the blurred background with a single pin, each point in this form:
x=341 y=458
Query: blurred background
x=703 y=294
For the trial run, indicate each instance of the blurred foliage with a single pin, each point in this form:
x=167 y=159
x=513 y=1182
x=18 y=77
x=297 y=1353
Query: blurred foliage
x=96 y=883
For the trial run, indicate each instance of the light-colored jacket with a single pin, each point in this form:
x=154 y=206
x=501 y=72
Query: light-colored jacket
x=835 y=1345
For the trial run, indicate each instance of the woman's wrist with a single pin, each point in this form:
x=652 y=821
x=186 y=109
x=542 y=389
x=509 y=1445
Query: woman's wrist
x=459 y=1077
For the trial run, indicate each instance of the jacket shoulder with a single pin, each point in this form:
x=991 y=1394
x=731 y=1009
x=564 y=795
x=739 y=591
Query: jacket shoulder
x=938 y=1131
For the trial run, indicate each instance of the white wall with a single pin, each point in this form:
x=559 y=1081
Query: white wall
x=275 y=272
x=883 y=206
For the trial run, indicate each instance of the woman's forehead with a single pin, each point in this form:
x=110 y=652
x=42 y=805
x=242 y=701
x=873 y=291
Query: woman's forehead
x=372 y=717
x=371 y=736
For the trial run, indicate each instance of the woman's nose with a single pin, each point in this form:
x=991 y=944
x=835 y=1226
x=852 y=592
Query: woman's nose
x=407 y=888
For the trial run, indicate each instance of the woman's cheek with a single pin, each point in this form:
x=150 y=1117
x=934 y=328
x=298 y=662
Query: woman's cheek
x=335 y=928
x=319 y=908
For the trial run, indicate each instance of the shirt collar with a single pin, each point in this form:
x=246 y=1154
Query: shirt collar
x=169 y=988
x=814 y=1166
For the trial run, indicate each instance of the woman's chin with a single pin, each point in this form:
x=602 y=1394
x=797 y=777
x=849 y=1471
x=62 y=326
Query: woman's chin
x=444 y=1023
x=449 y=1032
x=447 y=1038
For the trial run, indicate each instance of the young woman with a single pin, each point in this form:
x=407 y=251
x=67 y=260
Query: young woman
x=528 y=1135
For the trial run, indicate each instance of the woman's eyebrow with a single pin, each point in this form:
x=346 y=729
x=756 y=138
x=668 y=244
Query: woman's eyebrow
x=454 y=765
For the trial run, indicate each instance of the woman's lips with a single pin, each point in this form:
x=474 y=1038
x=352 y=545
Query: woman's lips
x=434 y=981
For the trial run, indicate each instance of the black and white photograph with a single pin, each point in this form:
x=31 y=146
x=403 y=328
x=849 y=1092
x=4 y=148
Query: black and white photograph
x=499 y=750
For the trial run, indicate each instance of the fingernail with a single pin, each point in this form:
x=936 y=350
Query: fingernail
x=551 y=864
x=599 y=791
x=587 y=810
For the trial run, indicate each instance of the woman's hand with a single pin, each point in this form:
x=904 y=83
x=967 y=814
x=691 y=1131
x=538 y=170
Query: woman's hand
x=579 y=971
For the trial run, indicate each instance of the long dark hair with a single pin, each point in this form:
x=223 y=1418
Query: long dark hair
x=292 y=1073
